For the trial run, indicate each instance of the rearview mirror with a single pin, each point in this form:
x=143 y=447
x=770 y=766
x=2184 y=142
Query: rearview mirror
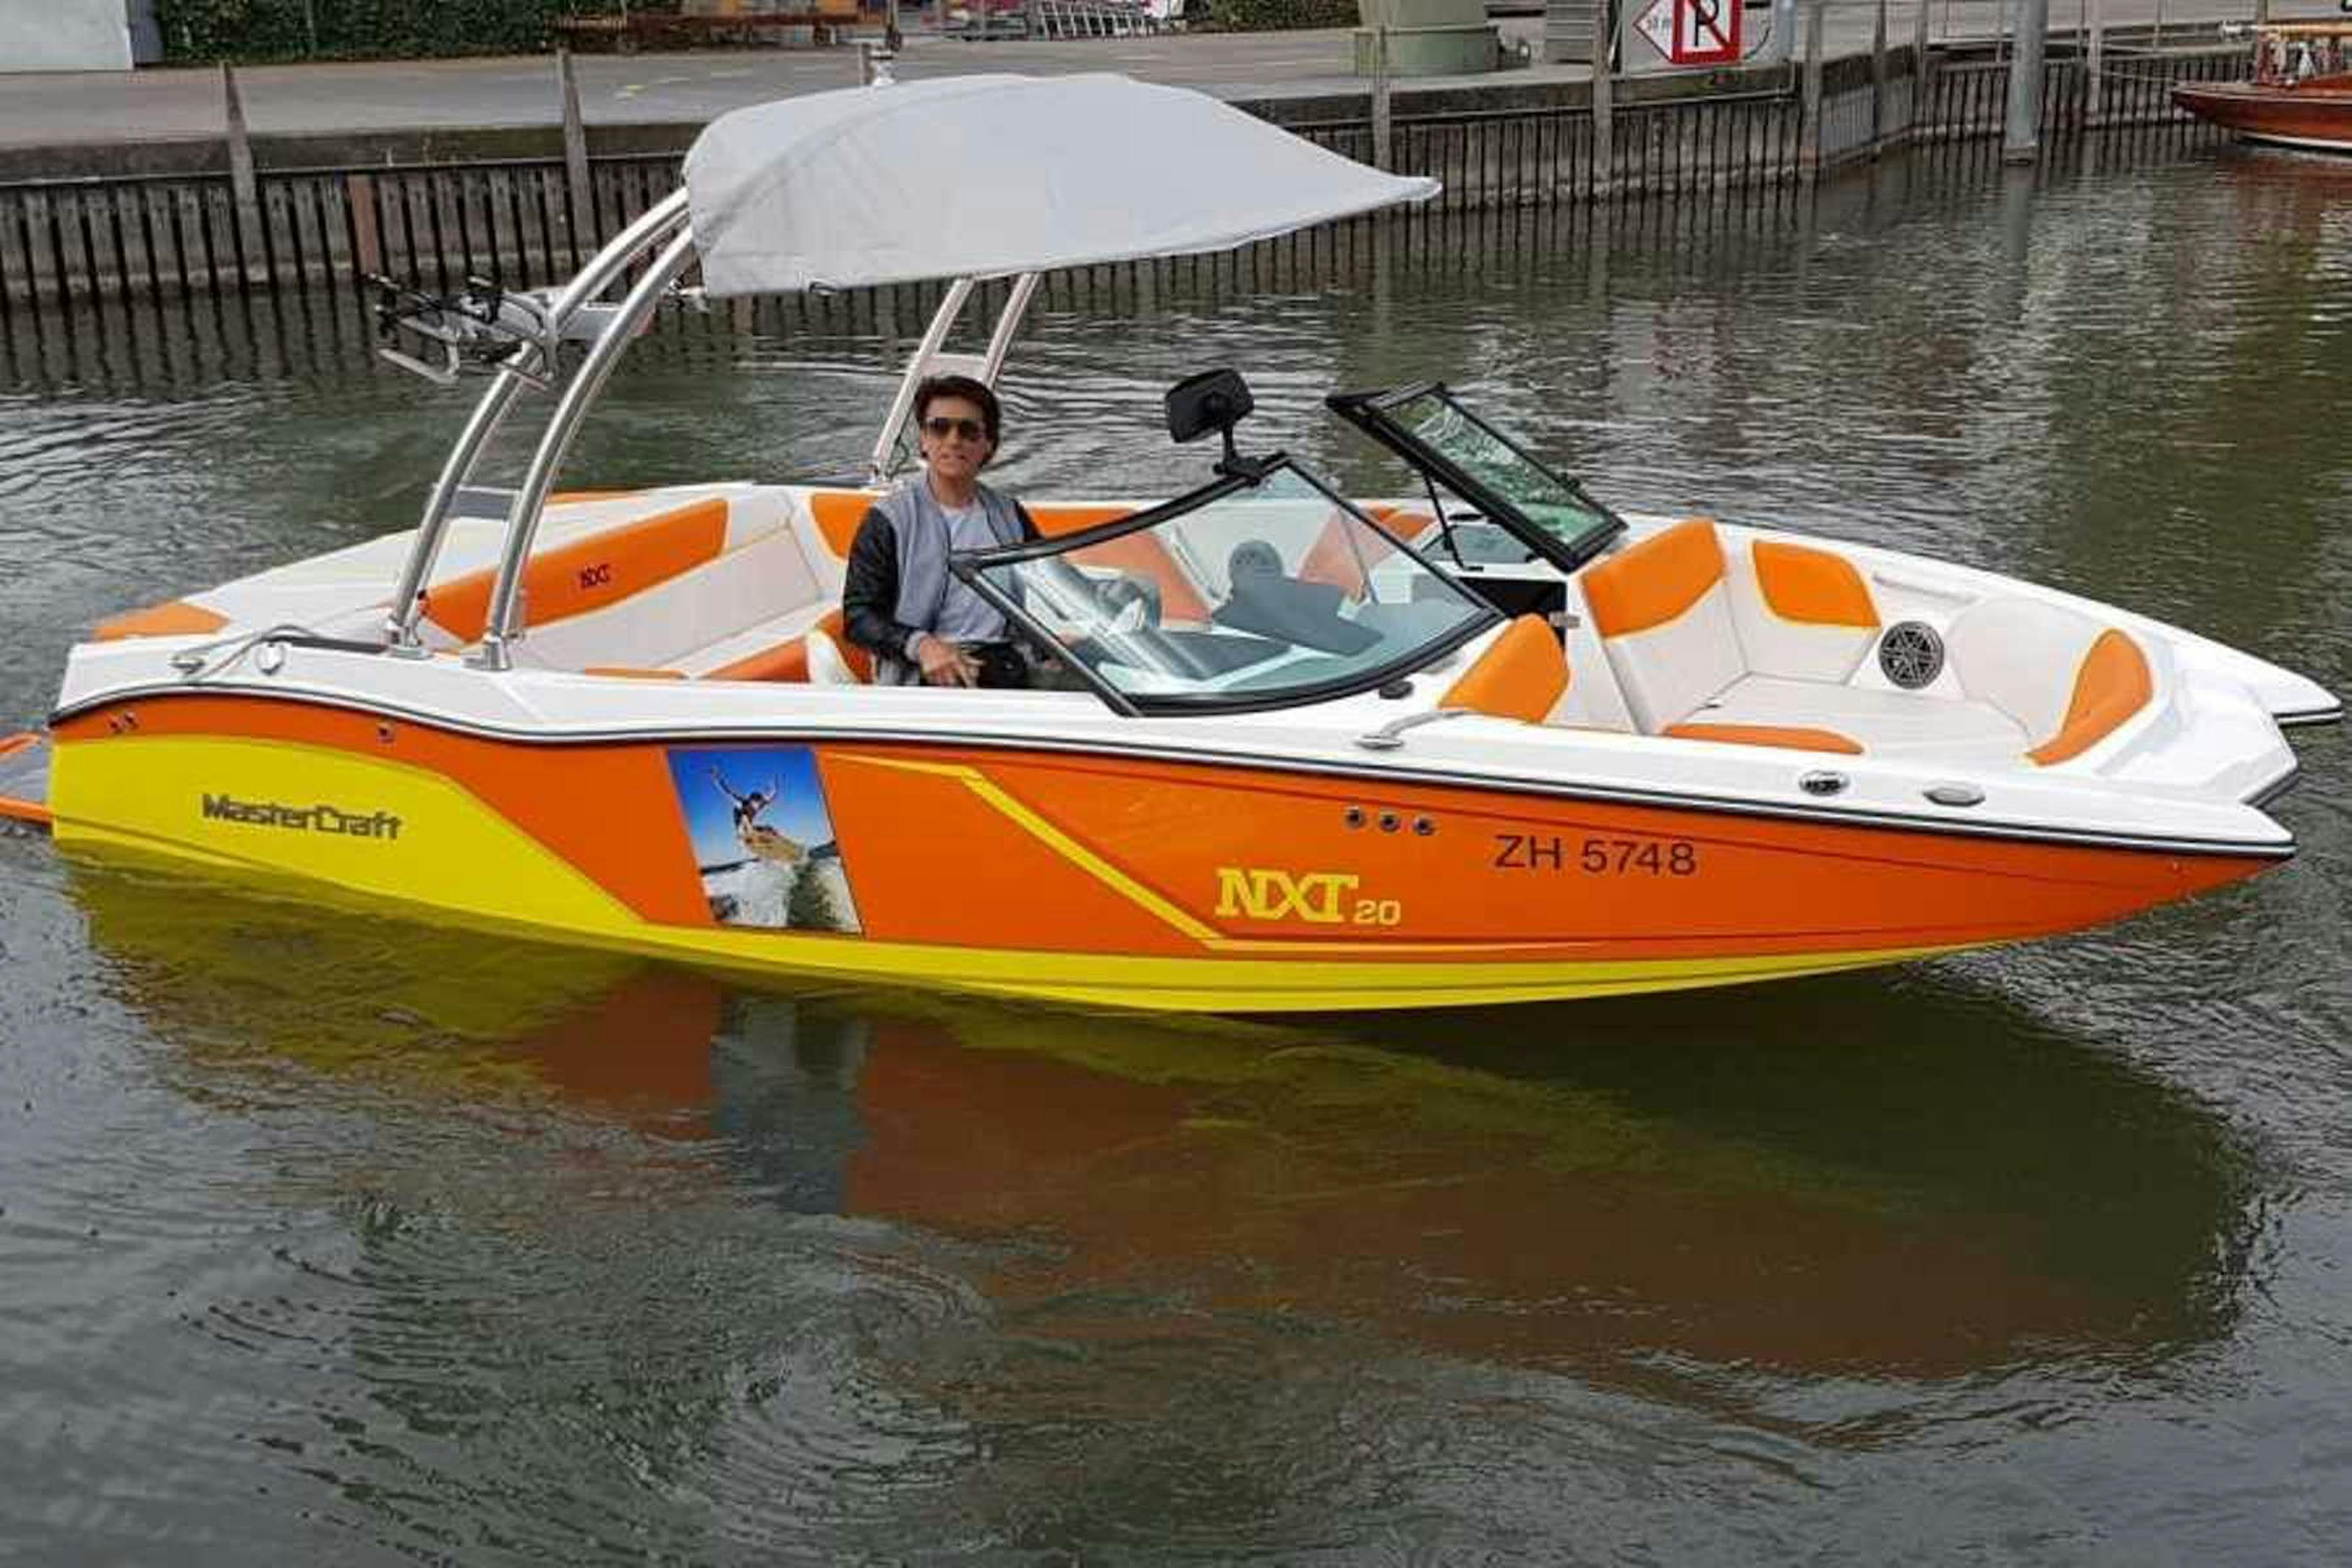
x=1210 y=402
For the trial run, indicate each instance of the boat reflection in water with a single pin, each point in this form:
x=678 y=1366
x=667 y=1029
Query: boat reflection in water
x=1913 y=1180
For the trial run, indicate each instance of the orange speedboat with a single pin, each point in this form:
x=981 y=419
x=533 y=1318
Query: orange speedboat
x=1497 y=742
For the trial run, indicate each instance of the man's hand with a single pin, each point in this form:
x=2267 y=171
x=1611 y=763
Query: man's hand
x=945 y=663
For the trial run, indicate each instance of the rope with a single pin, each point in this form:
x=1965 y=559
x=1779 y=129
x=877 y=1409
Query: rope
x=197 y=664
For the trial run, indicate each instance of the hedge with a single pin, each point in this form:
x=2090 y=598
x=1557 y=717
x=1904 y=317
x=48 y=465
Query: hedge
x=360 y=29
x=1273 y=16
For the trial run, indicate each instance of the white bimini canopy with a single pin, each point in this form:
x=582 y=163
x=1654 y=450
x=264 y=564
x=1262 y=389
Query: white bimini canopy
x=986 y=175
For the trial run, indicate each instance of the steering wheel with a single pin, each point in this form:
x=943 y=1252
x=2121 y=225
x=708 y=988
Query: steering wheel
x=1132 y=602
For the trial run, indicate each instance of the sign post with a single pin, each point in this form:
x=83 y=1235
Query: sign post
x=1692 y=32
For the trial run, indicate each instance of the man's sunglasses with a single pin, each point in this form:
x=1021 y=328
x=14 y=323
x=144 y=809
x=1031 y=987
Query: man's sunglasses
x=939 y=429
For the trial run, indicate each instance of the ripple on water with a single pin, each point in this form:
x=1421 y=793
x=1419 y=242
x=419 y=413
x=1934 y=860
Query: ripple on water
x=349 y=1222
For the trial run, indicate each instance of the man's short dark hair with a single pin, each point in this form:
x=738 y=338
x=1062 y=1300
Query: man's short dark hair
x=976 y=393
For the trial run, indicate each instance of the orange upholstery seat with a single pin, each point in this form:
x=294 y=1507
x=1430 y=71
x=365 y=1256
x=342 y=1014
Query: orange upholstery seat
x=788 y=660
x=1522 y=675
x=2067 y=680
x=590 y=573
x=2112 y=684
x=1664 y=615
x=1793 y=737
x=1755 y=647
x=1653 y=582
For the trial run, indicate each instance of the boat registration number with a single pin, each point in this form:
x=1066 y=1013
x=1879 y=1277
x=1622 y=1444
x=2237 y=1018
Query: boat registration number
x=1596 y=857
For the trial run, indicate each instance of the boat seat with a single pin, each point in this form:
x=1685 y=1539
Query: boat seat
x=1680 y=624
x=1758 y=649
x=780 y=649
x=1801 y=612
x=2067 y=680
x=1789 y=737
x=2040 y=683
x=643 y=581
x=1777 y=711
x=1664 y=615
x=827 y=663
x=1522 y=675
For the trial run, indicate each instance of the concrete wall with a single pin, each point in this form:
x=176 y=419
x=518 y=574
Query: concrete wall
x=1568 y=31
x=63 y=36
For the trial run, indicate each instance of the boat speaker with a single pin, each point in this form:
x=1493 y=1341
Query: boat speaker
x=1911 y=655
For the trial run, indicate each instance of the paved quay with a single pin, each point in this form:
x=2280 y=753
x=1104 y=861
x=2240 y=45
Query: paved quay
x=118 y=109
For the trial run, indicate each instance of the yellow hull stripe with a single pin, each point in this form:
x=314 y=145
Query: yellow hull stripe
x=454 y=855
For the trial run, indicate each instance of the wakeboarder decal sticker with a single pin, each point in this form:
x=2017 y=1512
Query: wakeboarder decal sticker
x=764 y=839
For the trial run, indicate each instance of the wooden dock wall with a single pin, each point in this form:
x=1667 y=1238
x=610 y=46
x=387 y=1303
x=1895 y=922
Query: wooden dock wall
x=253 y=223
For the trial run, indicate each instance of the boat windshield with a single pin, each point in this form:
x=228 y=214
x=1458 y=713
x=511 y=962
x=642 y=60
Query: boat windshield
x=1251 y=593
x=1431 y=429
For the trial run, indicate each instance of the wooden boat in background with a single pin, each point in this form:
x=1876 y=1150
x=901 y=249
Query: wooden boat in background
x=2300 y=94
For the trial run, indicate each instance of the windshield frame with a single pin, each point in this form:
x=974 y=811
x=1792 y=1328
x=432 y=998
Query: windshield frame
x=971 y=567
x=1371 y=412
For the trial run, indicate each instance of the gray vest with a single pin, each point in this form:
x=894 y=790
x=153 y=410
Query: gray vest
x=920 y=528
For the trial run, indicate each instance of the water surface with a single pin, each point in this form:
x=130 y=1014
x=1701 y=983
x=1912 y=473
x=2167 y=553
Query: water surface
x=330 y=1236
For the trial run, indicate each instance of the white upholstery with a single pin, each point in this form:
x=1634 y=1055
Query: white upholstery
x=1881 y=721
x=1667 y=670
x=825 y=665
x=654 y=627
x=756 y=638
x=1776 y=646
x=2020 y=656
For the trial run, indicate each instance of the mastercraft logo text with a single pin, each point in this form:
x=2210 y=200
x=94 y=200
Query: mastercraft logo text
x=321 y=819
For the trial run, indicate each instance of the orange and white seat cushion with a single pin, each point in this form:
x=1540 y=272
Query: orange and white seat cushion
x=1522 y=675
x=1664 y=612
x=1860 y=719
x=1668 y=615
x=2068 y=680
x=1758 y=647
x=1802 y=613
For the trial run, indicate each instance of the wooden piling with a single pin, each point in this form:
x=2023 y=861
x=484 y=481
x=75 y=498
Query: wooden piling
x=1919 y=69
x=2095 y=111
x=367 y=240
x=1878 y=80
x=245 y=190
x=1605 y=147
x=1809 y=142
x=582 y=195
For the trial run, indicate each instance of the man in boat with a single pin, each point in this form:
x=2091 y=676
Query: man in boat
x=898 y=600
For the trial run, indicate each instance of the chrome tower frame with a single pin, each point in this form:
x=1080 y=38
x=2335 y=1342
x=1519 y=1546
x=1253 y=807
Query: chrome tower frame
x=664 y=232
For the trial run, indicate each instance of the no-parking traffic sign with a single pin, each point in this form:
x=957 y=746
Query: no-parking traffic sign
x=1693 y=32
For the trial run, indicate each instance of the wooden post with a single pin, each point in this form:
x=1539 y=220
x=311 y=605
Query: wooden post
x=1878 y=80
x=1384 y=126
x=1809 y=144
x=2095 y=22
x=1920 y=69
x=243 y=189
x=2022 y=129
x=576 y=152
x=367 y=242
x=1604 y=92
x=241 y=149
